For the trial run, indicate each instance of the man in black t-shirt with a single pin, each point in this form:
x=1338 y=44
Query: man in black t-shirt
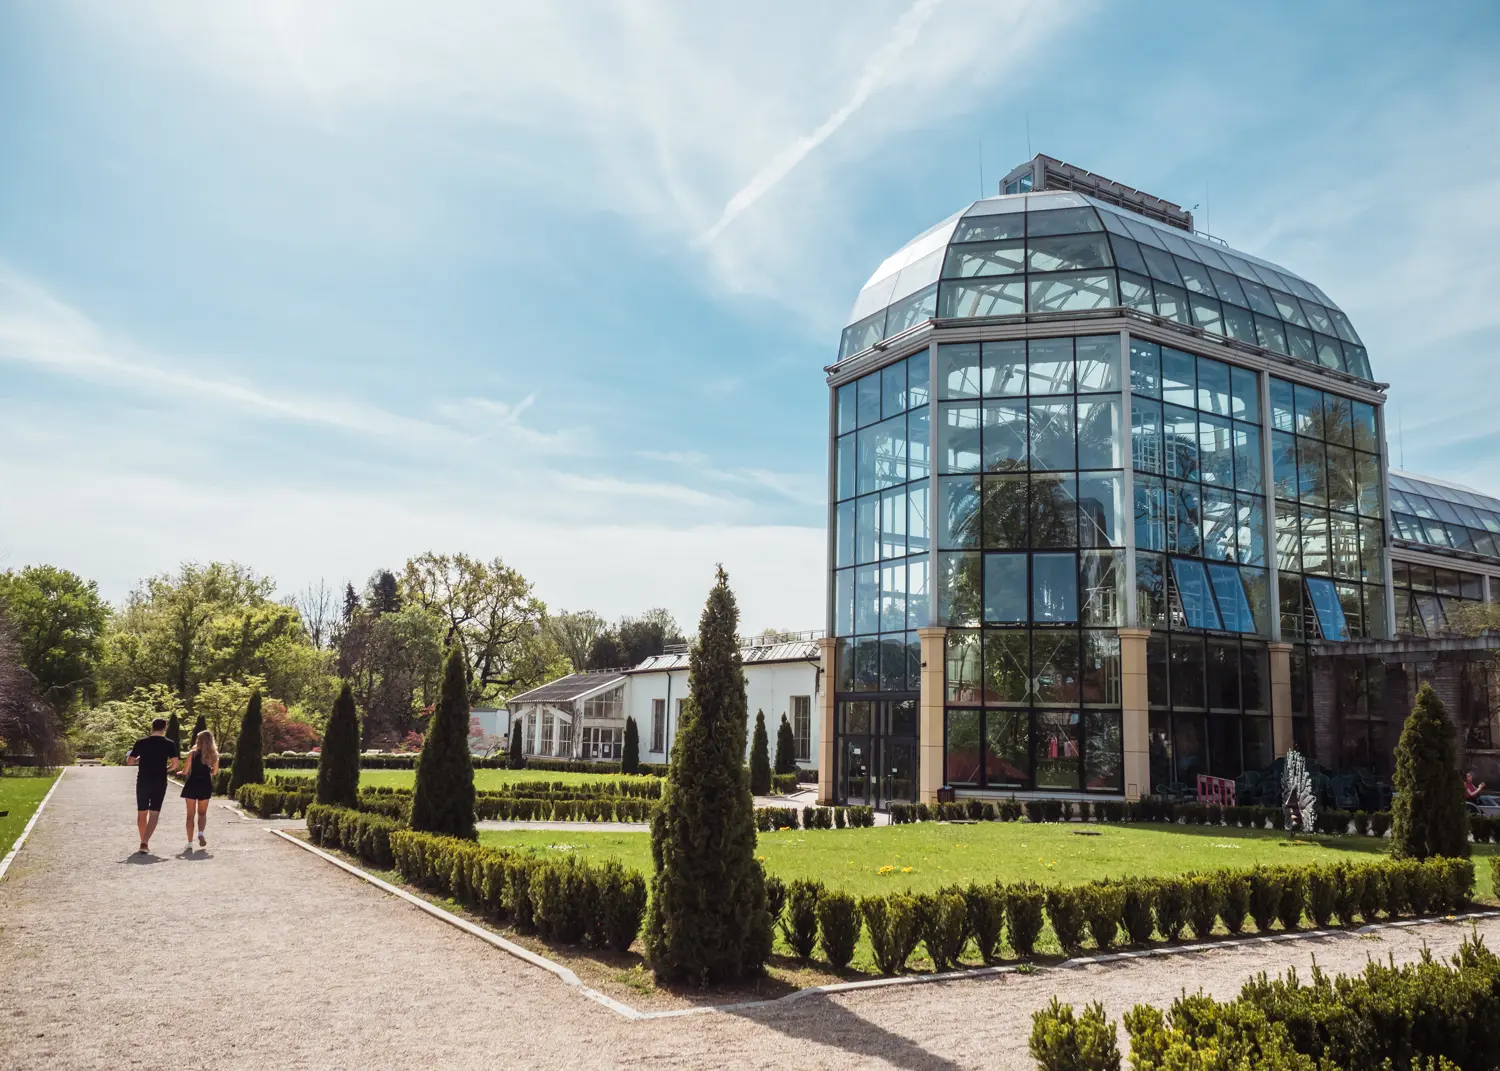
x=153 y=757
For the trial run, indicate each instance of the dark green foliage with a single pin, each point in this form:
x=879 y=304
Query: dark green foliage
x=630 y=755
x=1348 y=890
x=945 y=926
x=1495 y=871
x=365 y=835
x=1428 y=813
x=1136 y=913
x=986 y=905
x=862 y=817
x=1396 y=901
x=838 y=817
x=799 y=925
x=1320 y=895
x=760 y=759
x=894 y=929
x=174 y=732
x=515 y=754
x=620 y=901
x=786 y=748
x=1361 y=822
x=442 y=798
x=338 y=763
x=1171 y=906
x=707 y=920
x=1234 y=899
x=1371 y=891
x=1104 y=908
x=1293 y=898
x=1061 y=1042
x=1202 y=904
x=775 y=897
x=199 y=725
x=1380 y=823
x=1035 y=811
x=248 y=769
x=769 y=818
x=838 y=927
x=266 y=802
x=783 y=784
x=1024 y=903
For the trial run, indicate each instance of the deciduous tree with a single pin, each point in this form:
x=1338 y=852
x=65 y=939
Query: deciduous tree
x=58 y=621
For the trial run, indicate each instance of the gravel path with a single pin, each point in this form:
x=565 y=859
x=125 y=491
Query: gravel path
x=256 y=954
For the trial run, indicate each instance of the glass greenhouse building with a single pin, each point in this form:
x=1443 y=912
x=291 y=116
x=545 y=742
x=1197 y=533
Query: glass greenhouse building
x=1102 y=492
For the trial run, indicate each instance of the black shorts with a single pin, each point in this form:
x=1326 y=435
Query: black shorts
x=149 y=794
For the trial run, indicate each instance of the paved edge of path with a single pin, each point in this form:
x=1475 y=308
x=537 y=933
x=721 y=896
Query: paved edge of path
x=969 y=974
x=15 y=849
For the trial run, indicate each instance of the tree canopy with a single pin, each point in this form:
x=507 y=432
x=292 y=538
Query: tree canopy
x=58 y=621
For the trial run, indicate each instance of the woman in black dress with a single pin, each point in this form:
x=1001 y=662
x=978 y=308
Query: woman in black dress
x=198 y=786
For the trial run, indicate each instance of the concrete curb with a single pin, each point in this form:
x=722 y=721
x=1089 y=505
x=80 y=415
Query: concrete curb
x=968 y=974
x=26 y=832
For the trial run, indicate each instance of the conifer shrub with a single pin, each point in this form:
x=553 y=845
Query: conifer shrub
x=1035 y=811
x=894 y=929
x=707 y=922
x=1062 y=1042
x=1361 y=822
x=838 y=927
x=1428 y=813
x=174 y=732
x=986 y=908
x=944 y=926
x=775 y=897
x=1024 y=906
x=515 y=754
x=1396 y=900
x=442 y=798
x=1170 y=905
x=630 y=754
x=1104 y=907
x=1321 y=895
x=760 y=758
x=786 y=748
x=1203 y=901
x=338 y=763
x=1065 y=910
x=1136 y=912
x=1234 y=900
x=249 y=767
x=838 y=818
x=799 y=924
x=1372 y=892
x=1293 y=898
x=199 y=725
x=1348 y=889
x=1380 y=823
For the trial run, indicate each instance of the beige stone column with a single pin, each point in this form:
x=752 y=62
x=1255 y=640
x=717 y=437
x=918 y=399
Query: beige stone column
x=930 y=714
x=1281 y=696
x=827 y=656
x=1135 y=714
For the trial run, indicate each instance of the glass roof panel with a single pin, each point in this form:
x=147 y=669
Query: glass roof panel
x=1062 y=221
x=995 y=206
x=1145 y=233
x=873 y=298
x=1345 y=328
x=917 y=275
x=1298 y=287
x=1260 y=298
x=985 y=258
x=1113 y=221
x=1179 y=245
x=1128 y=254
x=994 y=228
x=1289 y=309
x=1267 y=276
x=1229 y=288
x=1195 y=275
x=1049 y=199
x=1162 y=265
x=1210 y=256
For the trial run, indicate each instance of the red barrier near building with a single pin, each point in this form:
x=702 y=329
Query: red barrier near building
x=1215 y=790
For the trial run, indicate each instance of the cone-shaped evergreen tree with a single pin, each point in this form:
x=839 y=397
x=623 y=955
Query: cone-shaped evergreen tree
x=515 y=755
x=198 y=727
x=707 y=920
x=249 y=769
x=174 y=731
x=1428 y=816
x=630 y=758
x=760 y=758
x=443 y=799
x=338 y=764
x=786 y=748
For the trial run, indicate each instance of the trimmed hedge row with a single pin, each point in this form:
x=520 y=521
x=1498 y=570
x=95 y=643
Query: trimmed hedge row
x=1135 y=911
x=506 y=809
x=773 y=818
x=384 y=762
x=784 y=784
x=1148 y=809
x=356 y=832
x=1427 y=1014
x=643 y=788
x=267 y=801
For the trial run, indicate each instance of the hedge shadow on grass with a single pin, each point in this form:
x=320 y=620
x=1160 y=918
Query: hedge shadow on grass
x=826 y=1022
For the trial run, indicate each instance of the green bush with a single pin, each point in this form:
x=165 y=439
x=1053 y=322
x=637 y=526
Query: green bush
x=862 y=817
x=1428 y=816
x=838 y=927
x=1380 y=823
x=986 y=907
x=1035 y=811
x=760 y=757
x=1293 y=898
x=1348 y=891
x=1234 y=899
x=630 y=754
x=786 y=750
x=775 y=897
x=1202 y=903
x=247 y=768
x=1371 y=890
x=1495 y=872
x=894 y=929
x=1321 y=892
x=784 y=784
x=1170 y=904
x=1061 y=1042
x=338 y=762
x=1266 y=885
x=799 y=924
x=1361 y=822
x=367 y=836
x=442 y=799
x=1104 y=908
x=1136 y=914
x=1024 y=906
x=944 y=926
x=267 y=802
x=839 y=817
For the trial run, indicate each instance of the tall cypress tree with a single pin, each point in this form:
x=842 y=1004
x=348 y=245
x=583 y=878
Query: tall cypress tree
x=760 y=758
x=338 y=764
x=443 y=799
x=515 y=755
x=707 y=920
x=786 y=748
x=630 y=758
x=1428 y=816
x=174 y=731
x=249 y=768
x=199 y=726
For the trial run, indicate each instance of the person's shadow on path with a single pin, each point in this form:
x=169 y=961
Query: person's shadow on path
x=194 y=855
x=142 y=858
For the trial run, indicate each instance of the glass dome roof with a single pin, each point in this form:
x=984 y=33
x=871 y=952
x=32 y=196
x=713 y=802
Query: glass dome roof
x=1444 y=515
x=1060 y=251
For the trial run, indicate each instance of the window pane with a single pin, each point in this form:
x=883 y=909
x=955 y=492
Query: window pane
x=1197 y=604
x=1223 y=676
x=1329 y=611
x=1315 y=549
x=1365 y=434
x=1247 y=458
x=1101 y=668
x=1234 y=607
x=962 y=750
x=1052 y=440
x=1128 y=255
x=844 y=535
x=1057 y=758
x=1103 y=758
x=1216 y=450
x=1006 y=514
x=893 y=389
x=958 y=370
x=1055 y=665
x=1145 y=435
x=1309 y=411
x=1180 y=432
x=893 y=597
x=1150 y=590
x=1102 y=576
x=1062 y=221
x=1150 y=514
x=867 y=529
x=1239 y=325
x=1054 y=511
x=843 y=602
x=868 y=401
x=1004 y=588
x=1072 y=253
x=1343 y=490
x=1250 y=517
x=1101 y=509
x=1283 y=417
x=1071 y=291
x=986 y=258
x=1179 y=377
x=1135 y=293
x=1054 y=587
x=917 y=614
x=958 y=512
x=1258 y=589
x=982 y=299
x=1005 y=435
x=1187 y=673
x=1050 y=366
x=867 y=599
x=1007 y=753
x=918 y=438
x=1098 y=363
x=1007 y=665
x=1220 y=522
x=918 y=534
x=1284 y=465
x=1338 y=421
x=1312 y=472
x=918 y=367
x=1003 y=369
x=1145 y=368
x=963 y=668
x=1343 y=545
x=846 y=466
x=1184 y=518
x=893 y=523
x=1171 y=303
x=958 y=438
x=1255 y=677
x=1213 y=386
x=910 y=311
x=1099 y=439
x=1245 y=395
x=846 y=404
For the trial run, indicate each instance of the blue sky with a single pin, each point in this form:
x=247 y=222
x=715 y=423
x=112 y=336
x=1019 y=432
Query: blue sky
x=320 y=286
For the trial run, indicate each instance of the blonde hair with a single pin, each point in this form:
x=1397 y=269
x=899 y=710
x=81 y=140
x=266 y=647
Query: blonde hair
x=208 y=752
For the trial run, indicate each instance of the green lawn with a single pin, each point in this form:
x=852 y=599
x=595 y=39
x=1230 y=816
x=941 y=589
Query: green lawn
x=482 y=778
x=19 y=796
x=927 y=855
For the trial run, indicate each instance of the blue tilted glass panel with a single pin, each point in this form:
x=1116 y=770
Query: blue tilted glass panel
x=844 y=537
x=867 y=599
x=846 y=466
x=1054 y=587
x=910 y=311
x=1145 y=368
x=893 y=389
x=861 y=336
x=1004 y=588
x=1330 y=613
x=1192 y=589
x=918 y=614
x=1229 y=589
x=868 y=390
x=918 y=443
x=843 y=602
x=846 y=398
x=918 y=371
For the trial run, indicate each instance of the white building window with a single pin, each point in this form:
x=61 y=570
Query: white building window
x=564 y=738
x=658 y=725
x=546 y=748
x=609 y=705
x=802 y=726
x=601 y=743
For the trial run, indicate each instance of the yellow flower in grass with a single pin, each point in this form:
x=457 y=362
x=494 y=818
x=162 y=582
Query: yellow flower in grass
x=887 y=869
x=906 y=870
